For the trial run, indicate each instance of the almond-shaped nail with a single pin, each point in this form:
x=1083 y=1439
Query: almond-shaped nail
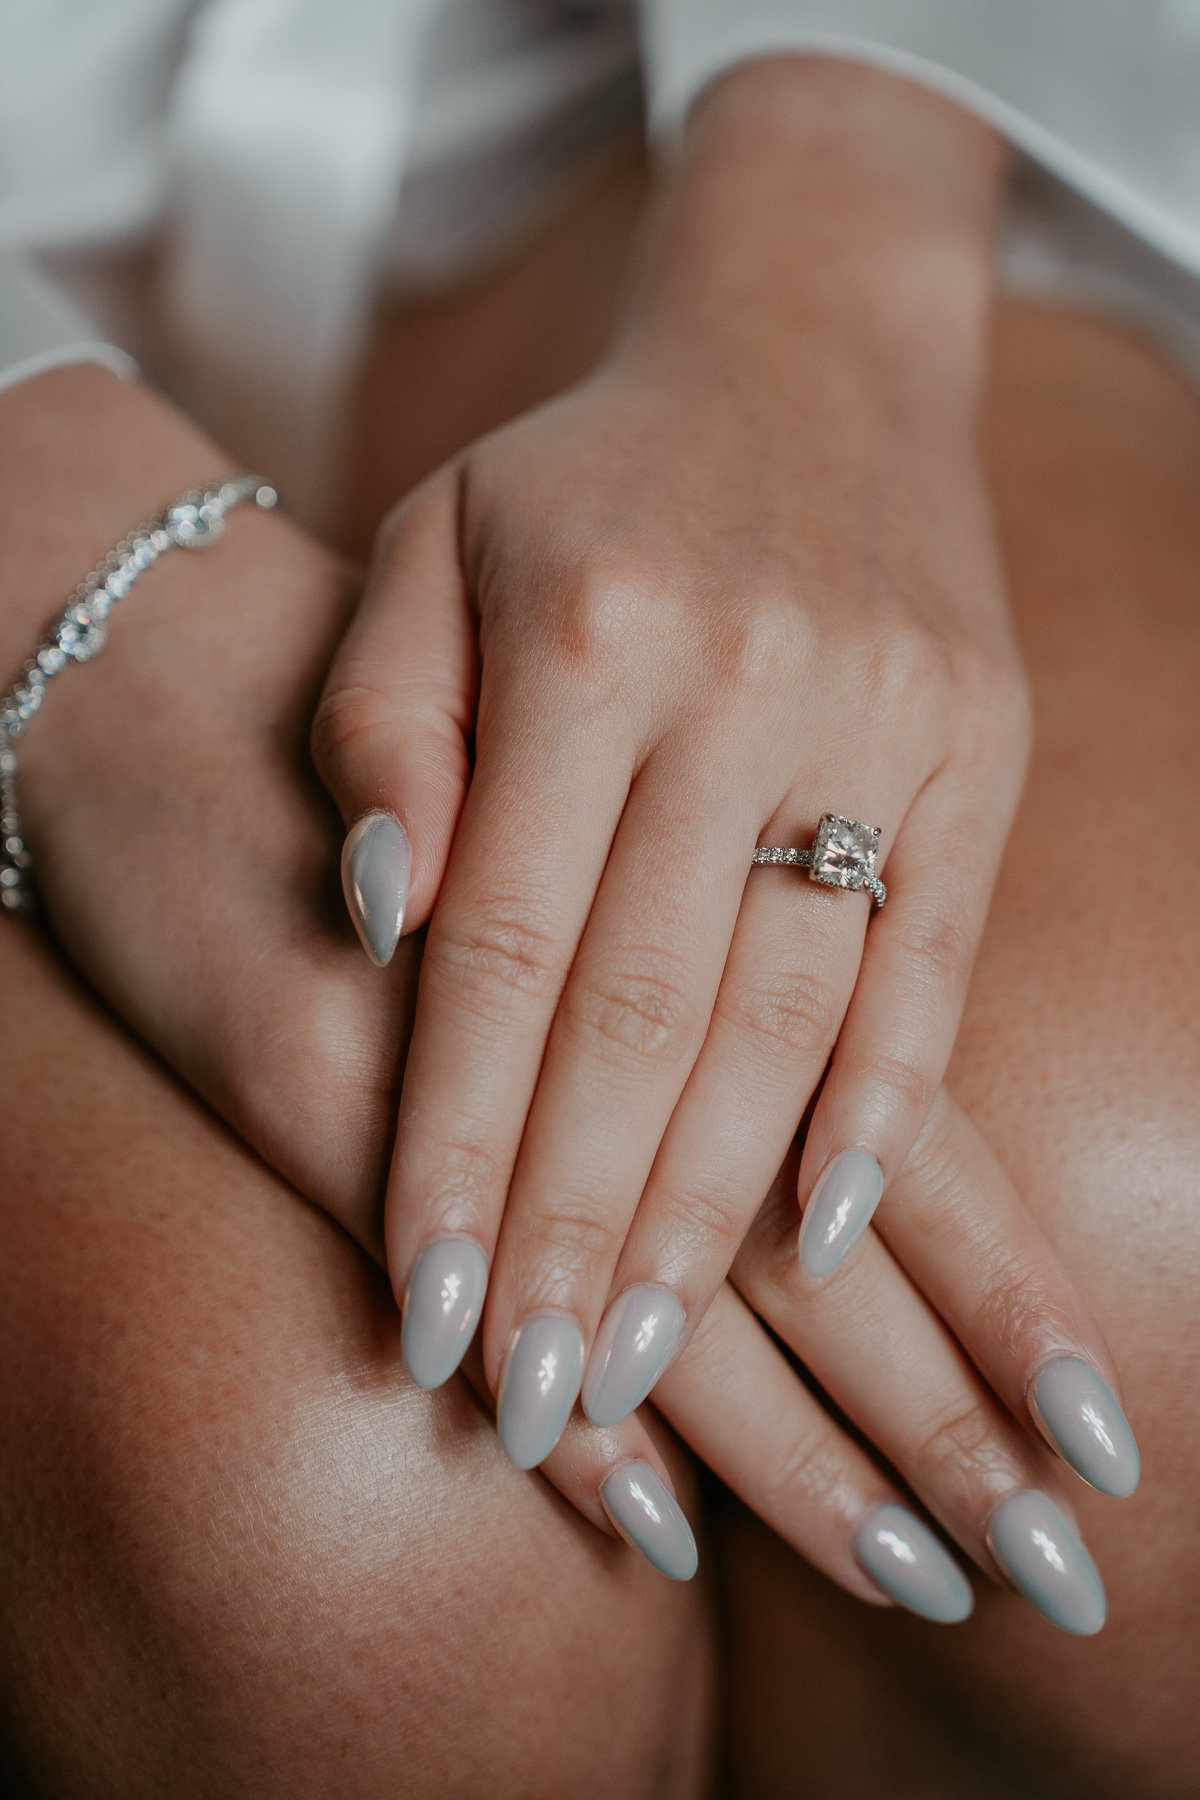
x=540 y=1381
x=1046 y=1560
x=909 y=1563
x=647 y=1517
x=441 y=1308
x=1085 y=1424
x=633 y=1346
x=376 y=865
x=840 y=1210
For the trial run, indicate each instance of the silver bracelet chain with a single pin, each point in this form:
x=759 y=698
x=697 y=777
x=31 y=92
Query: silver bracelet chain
x=80 y=631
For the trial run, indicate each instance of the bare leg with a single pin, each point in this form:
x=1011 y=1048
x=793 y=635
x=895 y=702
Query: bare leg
x=240 y=1553
x=1080 y=1058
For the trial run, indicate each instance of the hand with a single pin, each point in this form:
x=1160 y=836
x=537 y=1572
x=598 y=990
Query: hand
x=949 y=1401
x=183 y=851
x=741 y=576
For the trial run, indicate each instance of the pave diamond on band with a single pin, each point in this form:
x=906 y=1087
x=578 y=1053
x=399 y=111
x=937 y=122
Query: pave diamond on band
x=843 y=855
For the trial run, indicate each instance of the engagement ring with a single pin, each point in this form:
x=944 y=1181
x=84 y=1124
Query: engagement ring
x=842 y=855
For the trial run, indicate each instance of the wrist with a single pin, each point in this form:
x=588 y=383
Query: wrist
x=826 y=223
x=84 y=456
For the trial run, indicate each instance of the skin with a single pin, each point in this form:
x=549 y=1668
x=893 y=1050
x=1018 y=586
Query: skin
x=209 y=921
x=226 y=1566
x=745 y=567
x=201 y=906
x=163 y=1714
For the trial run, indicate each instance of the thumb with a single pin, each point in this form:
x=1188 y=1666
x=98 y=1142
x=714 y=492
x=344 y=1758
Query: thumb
x=390 y=734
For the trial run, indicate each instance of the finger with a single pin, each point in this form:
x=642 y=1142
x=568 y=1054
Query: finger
x=391 y=732
x=781 y=999
x=890 y=1363
x=629 y=1026
x=957 y=1225
x=549 y=784
x=619 y=1480
x=901 y=1023
x=732 y=1396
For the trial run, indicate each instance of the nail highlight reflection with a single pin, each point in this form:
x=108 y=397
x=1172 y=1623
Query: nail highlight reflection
x=1086 y=1425
x=1047 y=1561
x=839 y=1211
x=633 y=1346
x=643 y=1511
x=541 y=1377
x=908 y=1562
x=441 y=1308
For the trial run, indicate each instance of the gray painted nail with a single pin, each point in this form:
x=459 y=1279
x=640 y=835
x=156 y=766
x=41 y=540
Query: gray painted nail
x=542 y=1372
x=633 y=1345
x=376 y=864
x=909 y=1563
x=839 y=1211
x=1085 y=1423
x=442 y=1308
x=646 y=1516
x=1046 y=1560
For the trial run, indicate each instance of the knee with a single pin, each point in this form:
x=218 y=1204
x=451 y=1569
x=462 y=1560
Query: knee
x=242 y=1554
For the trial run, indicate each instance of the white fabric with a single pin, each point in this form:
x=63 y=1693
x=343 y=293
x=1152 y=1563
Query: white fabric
x=293 y=155
x=47 y=330
x=1104 y=93
x=285 y=136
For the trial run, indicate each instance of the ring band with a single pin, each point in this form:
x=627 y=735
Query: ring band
x=843 y=856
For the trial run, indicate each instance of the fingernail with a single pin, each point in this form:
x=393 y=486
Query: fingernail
x=1085 y=1423
x=376 y=864
x=633 y=1345
x=541 y=1378
x=839 y=1211
x=1046 y=1560
x=907 y=1561
x=648 y=1518
x=442 y=1308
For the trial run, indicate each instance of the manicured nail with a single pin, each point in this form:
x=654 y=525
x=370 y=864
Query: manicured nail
x=442 y=1308
x=839 y=1211
x=633 y=1345
x=646 y=1516
x=376 y=864
x=1044 y=1558
x=541 y=1378
x=1084 y=1422
x=909 y=1563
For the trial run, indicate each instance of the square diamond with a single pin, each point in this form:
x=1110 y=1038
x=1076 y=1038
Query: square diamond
x=844 y=853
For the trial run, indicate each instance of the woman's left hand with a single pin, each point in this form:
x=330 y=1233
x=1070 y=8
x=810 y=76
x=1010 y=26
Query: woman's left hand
x=741 y=577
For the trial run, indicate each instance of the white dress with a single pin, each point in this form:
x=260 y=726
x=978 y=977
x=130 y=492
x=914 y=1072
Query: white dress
x=293 y=157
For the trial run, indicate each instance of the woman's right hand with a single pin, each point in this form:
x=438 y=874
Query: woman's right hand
x=950 y=1402
x=188 y=860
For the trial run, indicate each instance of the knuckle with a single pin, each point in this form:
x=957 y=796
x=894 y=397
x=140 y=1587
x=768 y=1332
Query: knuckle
x=643 y=1012
x=808 y=1471
x=344 y=714
x=582 y=1234
x=599 y=615
x=963 y=1446
x=467 y=1176
x=701 y=1215
x=898 y=1086
x=937 y=944
x=903 y=661
x=756 y=645
x=795 y=1010
x=508 y=948
x=1021 y=1304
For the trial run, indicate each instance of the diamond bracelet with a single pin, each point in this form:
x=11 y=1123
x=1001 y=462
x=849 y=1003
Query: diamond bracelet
x=80 y=631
